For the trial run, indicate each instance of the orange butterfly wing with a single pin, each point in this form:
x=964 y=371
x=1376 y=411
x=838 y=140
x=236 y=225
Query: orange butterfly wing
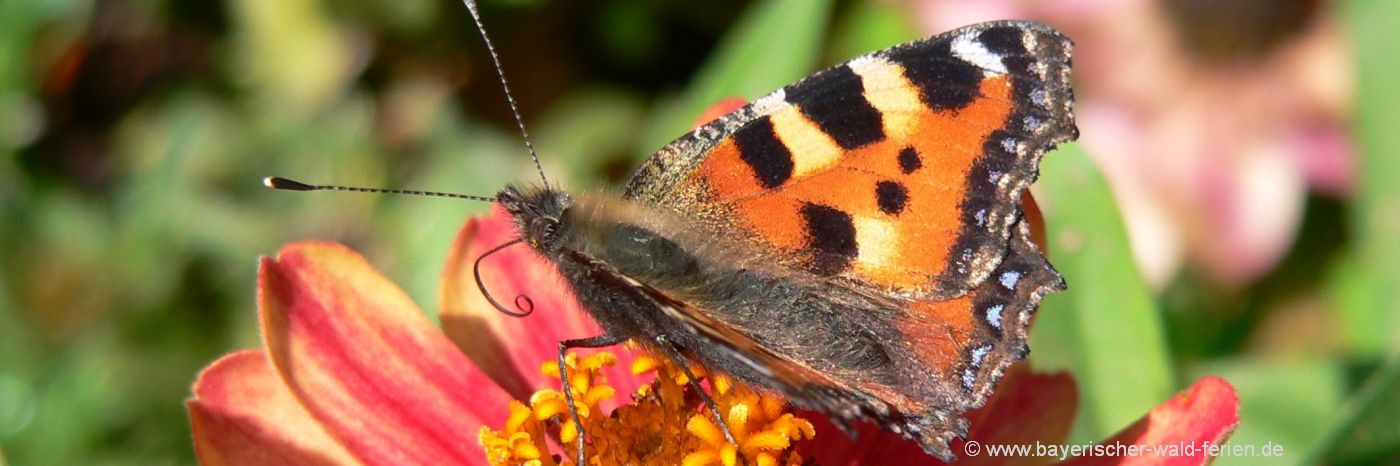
x=901 y=170
x=897 y=175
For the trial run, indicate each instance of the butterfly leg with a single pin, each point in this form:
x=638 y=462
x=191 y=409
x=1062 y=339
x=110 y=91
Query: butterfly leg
x=680 y=361
x=564 y=346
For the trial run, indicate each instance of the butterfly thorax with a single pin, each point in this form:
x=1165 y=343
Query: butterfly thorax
x=632 y=240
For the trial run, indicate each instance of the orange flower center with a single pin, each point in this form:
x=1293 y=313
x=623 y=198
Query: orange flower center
x=666 y=422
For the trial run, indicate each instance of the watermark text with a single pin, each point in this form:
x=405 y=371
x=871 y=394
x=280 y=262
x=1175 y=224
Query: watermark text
x=1121 y=450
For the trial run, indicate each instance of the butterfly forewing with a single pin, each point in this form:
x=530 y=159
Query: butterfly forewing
x=885 y=193
x=900 y=169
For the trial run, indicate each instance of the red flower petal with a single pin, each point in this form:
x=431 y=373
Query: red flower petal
x=1026 y=408
x=242 y=414
x=1030 y=210
x=368 y=364
x=1202 y=416
x=511 y=349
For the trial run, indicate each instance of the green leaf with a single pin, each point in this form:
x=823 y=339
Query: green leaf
x=1361 y=320
x=1366 y=431
x=871 y=25
x=1373 y=303
x=1105 y=329
x=776 y=43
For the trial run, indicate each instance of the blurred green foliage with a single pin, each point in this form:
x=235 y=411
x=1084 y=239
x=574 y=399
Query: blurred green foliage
x=134 y=133
x=1107 y=330
x=1374 y=319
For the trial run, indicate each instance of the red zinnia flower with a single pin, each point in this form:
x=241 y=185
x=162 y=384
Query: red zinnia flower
x=353 y=373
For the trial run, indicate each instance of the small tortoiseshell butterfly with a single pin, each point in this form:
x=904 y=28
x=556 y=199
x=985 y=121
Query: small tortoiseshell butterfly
x=853 y=241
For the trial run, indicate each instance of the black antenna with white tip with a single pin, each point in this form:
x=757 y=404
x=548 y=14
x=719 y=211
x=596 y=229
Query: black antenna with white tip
x=284 y=184
x=292 y=185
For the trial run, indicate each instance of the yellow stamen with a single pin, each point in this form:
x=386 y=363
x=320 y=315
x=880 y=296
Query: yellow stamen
x=706 y=430
x=700 y=458
x=665 y=423
x=643 y=364
x=728 y=455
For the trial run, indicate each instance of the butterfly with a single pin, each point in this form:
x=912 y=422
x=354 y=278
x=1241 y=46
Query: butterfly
x=853 y=242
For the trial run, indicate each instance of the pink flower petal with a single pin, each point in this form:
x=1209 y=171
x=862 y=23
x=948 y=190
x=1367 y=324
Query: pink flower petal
x=1026 y=409
x=1324 y=153
x=1251 y=206
x=242 y=414
x=511 y=349
x=944 y=15
x=367 y=364
x=1202 y=416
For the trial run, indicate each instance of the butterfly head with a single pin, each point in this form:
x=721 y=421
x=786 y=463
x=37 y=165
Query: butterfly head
x=538 y=213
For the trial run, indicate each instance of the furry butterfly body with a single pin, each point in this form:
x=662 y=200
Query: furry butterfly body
x=853 y=241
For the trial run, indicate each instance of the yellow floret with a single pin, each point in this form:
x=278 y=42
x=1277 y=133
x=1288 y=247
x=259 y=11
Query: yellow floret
x=665 y=423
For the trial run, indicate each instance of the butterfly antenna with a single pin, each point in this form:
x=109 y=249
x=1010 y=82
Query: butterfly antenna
x=510 y=99
x=522 y=310
x=275 y=182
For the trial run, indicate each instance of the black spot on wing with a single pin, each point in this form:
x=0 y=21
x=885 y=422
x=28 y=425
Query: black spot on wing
x=760 y=148
x=891 y=197
x=1003 y=40
x=945 y=81
x=835 y=101
x=909 y=160
x=831 y=238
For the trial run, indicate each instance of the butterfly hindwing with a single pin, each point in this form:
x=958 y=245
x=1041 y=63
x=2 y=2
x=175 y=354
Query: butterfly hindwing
x=912 y=366
x=863 y=170
x=969 y=341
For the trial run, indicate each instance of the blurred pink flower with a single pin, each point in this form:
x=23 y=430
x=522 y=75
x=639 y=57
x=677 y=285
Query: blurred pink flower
x=1211 y=119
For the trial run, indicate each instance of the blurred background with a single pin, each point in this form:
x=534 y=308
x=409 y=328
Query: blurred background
x=1232 y=208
